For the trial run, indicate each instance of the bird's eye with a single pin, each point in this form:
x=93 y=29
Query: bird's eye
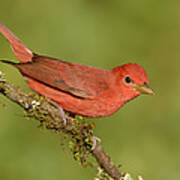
x=127 y=79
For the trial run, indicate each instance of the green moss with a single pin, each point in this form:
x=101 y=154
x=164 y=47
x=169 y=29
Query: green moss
x=78 y=131
x=81 y=140
x=102 y=175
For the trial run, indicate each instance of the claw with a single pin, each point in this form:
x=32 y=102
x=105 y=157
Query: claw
x=95 y=139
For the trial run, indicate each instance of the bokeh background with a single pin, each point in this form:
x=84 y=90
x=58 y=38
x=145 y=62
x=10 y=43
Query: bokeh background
x=144 y=135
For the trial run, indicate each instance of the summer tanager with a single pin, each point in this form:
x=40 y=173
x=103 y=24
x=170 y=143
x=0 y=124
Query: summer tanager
x=77 y=88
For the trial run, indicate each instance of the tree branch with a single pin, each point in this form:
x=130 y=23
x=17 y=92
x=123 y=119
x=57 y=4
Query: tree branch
x=105 y=162
x=50 y=116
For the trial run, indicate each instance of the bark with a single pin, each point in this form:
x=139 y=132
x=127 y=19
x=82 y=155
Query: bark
x=53 y=120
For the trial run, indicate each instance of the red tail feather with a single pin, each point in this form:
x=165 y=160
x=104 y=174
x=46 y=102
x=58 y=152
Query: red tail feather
x=22 y=53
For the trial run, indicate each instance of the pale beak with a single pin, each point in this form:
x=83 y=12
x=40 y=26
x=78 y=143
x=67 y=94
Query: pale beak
x=143 y=88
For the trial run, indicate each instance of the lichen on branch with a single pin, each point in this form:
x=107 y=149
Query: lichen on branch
x=78 y=130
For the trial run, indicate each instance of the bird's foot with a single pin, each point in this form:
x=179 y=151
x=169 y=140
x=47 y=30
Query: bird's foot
x=61 y=112
x=95 y=140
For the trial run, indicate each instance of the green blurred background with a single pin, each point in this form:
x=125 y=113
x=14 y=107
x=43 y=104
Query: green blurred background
x=144 y=135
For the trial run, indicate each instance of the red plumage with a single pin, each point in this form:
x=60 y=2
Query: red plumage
x=77 y=88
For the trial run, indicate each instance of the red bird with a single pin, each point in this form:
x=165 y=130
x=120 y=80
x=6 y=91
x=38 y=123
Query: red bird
x=79 y=89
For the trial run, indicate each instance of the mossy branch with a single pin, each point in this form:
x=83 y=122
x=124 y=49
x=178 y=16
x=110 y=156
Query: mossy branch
x=80 y=131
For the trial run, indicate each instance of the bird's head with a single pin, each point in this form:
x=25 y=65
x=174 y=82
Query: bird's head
x=133 y=80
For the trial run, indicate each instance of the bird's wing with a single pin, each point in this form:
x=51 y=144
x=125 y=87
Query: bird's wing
x=75 y=79
x=78 y=80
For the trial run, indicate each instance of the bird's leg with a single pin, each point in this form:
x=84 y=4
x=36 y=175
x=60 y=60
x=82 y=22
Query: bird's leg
x=60 y=111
